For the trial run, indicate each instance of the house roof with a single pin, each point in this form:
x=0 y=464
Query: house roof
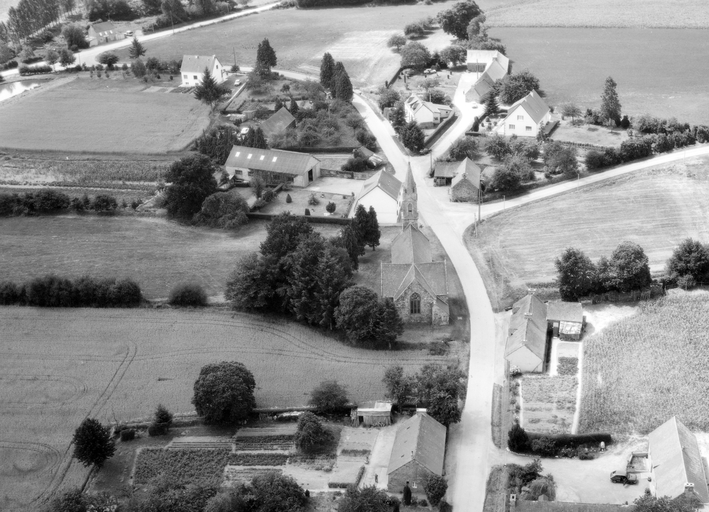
x=446 y=169
x=488 y=56
x=496 y=70
x=676 y=460
x=197 y=63
x=565 y=312
x=533 y=104
x=420 y=438
x=411 y=246
x=397 y=277
x=278 y=122
x=103 y=26
x=484 y=84
x=274 y=160
x=383 y=180
x=528 y=327
x=416 y=104
x=383 y=407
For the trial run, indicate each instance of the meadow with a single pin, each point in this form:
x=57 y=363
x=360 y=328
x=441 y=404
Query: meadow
x=641 y=371
x=58 y=367
x=100 y=115
x=658 y=71
x=354 y=35
x=656 y=208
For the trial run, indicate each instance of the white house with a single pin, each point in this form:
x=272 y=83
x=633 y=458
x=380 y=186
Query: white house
x=381 y=192
x=525 y=117
x=193 y=67
x=425 y=113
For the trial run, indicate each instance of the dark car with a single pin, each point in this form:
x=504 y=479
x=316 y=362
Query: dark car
x=623 y=477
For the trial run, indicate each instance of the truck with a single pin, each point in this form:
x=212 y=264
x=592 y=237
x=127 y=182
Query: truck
x=621 y=476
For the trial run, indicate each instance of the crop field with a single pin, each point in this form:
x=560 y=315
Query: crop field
x=59 y=366
x=354 y=35
x=658 y=71
x=113 y=115
x=597 y=13
x=549 y=403
x=658 y=358
x=656 y=208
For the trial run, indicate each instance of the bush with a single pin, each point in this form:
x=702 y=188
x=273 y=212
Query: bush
x=226 y=210
x=355 y=164
x=163 y=416
x=188 y=294
x=289 y=199
x=517 y=439
x=127 y=435
x=329 y=397
x=157 y=430
x=331 y=207
x=310 y=435
x=104 y=203
x=313 y=200
x=435 y=487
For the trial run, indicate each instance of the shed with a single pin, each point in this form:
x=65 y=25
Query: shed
x=278 y=123
x=527 y=335
x=273 y=165
x=677 y=461
x=374 y=414
x=463 y=190
x=418 y=452
x=566 y=320
x=444 y=172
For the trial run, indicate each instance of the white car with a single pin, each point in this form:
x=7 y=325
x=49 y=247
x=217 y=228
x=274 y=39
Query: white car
x=429 y=71
x=129 y=33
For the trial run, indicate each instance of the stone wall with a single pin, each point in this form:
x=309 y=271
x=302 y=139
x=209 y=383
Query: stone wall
x=427 y=304
x=411 y=472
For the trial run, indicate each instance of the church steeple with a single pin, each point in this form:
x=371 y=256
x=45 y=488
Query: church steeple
x=408 y=209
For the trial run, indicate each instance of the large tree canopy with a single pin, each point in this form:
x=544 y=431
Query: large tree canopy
x=577 y=274
x=610 y=103
x=455 y=21
x=191 y=182
x=690 y=258
x=224 y=392
x=415 y=55
x=515 y=87
x=629 y=267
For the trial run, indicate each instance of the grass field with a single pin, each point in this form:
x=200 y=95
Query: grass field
x=656 y=208
x=658 y=71
x=356 y=36
x=645 y=369
x=59 y=366
x=597 y=13
x=92 y=115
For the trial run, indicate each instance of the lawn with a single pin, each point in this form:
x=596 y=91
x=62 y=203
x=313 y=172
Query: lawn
x=301 y=202
x=590 y=134
x=114 y=115
x=645 y=369
x=658 y=71
x=58 y=366
x=356 y=36
x=656 y=208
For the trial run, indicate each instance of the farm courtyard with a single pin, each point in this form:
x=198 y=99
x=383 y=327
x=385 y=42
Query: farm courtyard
x=110 y=115
x=59 y=366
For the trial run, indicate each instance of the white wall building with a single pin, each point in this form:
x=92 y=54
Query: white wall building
x=193 y=67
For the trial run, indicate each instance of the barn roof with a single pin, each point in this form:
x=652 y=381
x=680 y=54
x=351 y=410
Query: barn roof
x=273 y=160
x=383 y=180
x=445 y=169
x=528 y=327
x=484 y=85
x=676 y=460
x=420 y=438
x=565 y=312
x=397 y=277
x=533 y=104
x=103 y=26
x=278 y=122
x=471 y=170
x=197 y=63
x=411 y=246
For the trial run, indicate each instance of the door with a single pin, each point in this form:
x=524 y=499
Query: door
x=310 y=175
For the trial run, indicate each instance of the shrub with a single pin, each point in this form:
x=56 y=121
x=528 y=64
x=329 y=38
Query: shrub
x=313 y=200
x=226 y=210
x=127 y=435
x=188 y=294
x=517 y=439
x=355 y=164
x=104 y=203
x=289 y=199
x=331 y=207
x=157 y=430
x=435 y=487
x=310 y=435
x=594 y=159
x=162 y=416
x=10 y=293
x=329 y=397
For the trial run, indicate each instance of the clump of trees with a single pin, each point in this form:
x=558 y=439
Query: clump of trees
x=225 y=210
x=435 y=387
x=514 y=87
x=455 y=21
x=188 y=294
x=516 y=156
x=56 y=292
x=45 y=202
x=191 y=181
x=217 y=142
x=560 y=159
x=626 y=270
x=334 y=77
x=365 y=318
x=689 y=264
x=224 y=392
x=311 y=436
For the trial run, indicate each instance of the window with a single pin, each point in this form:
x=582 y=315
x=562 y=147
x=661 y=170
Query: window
x=520 y=118
x=239 y=173
x=185 y=77
x=195 y=77
x=512 y=127
x=415 y=304
x=410 y=208
x=251 y=173
x=527 y=128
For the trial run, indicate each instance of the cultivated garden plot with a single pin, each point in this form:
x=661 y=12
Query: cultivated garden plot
x=315 y=202
x=549 y=403
x=88 y=114
x=590 y=134
x=647 y=368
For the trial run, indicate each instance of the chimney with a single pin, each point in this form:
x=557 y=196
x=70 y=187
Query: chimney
x=689 y=488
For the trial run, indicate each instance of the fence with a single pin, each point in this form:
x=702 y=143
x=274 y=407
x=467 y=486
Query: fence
x=583 y=145
x=309 y=218
x=395 y=77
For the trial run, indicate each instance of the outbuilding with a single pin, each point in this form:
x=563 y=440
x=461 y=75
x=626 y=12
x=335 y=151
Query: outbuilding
x=527 y=335
x=274 y=166
x=566 y=319
x=373 y=414
x=278 y=123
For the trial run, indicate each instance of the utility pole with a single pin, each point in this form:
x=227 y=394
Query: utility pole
x=480 y=200
x=234 y=50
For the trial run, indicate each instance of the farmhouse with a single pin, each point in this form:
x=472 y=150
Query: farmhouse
x=193 y=67
x=103 y=32
x=417 y=284
x=566 y=320
x=419 y=452
x=372 y=414
x=273 y=166
x=381 y=192
x=425 y=113
x=527 y=335
x=525 y=117
x=278 y=123
x=492 y=62
x=677 y=461
x=480 y=88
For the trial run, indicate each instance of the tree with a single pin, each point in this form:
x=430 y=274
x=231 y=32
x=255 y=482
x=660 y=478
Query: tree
x=373 y=231
x=388 y=97
x=343 y=86
x=684 y=503
x=517 y=439
x=366 y=499
x=398 y=117
x=265 y=58
x=283 y=235
x=255 y=139
x=357 y=313
x=435 y=487
x=491 y=106
x=74 y=36
x=467 y=147
x=366 y=226
x=629 y=268
x=388 y=325
x=397 y=41
x=400 y=387
x=571 y=110
x=455 y=20
x=294 y=107
x=136 y=49
x=173 y=10
x=576 y=274
x=610 y=103
x=332 y=275
x=455 y=54
x=562 y=161
x=476 y=30
x=138 y=68
x=224 y=392
x=249 y=285
x=498 y=147
x=413 y=30
x=66 y=57
x=274 y=492
x=328 y=397
x=327 y=71
x=504 y=179
x=52 y=58
x=152 y=7
x=350 y=240
x=415 y=55
x=209 y=92
x=93 y=443
x=412 y=137
x=515 y=87
x=310 y=435
x=439 y=389
x=690 y=258
x=191 y=181
x=107 y=58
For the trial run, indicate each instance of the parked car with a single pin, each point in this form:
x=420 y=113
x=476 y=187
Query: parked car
x=621 y=476
x=429 y=71
x=129 y=33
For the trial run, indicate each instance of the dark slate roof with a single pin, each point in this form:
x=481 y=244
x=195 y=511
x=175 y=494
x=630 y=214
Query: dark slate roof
x=528 y=326
x=420 y=438
x=533 y=104
x=484 y=84
x=387 y=182
x=278 y=122
x=565 y=312
x=274 y=160
x=470 y=169
x=397 y=277
x=676 y=460
x=197 y=63
x=411 y=246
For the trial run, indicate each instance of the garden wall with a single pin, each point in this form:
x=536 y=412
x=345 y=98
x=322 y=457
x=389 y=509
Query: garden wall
x=438 y=132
